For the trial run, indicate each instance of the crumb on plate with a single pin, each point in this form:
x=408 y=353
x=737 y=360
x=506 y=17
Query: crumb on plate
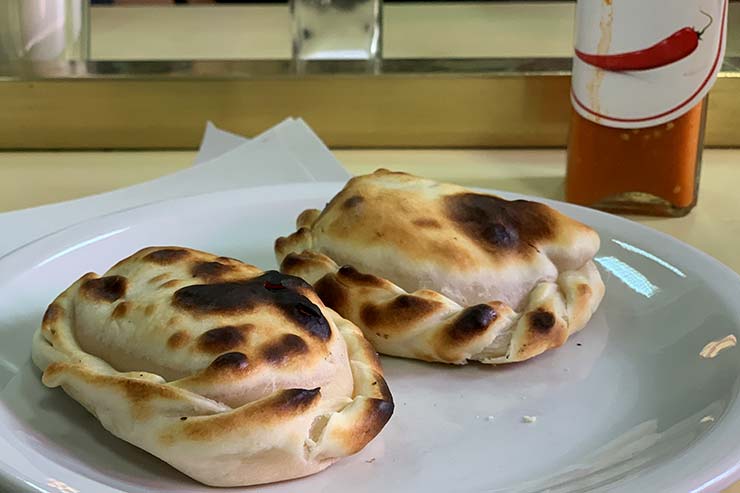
x=713 y=348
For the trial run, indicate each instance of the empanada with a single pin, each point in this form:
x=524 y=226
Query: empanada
x=232 y=375
x=441 y=273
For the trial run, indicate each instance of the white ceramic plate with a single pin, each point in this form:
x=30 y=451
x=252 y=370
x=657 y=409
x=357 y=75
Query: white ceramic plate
x=619 y=406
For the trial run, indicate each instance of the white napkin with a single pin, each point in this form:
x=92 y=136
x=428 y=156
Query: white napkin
x=217 y=142
x=290 y=152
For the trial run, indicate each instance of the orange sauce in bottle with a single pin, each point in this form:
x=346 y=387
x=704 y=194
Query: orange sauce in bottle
x=652 y=170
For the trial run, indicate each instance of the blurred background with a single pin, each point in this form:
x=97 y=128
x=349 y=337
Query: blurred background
x=259 y=29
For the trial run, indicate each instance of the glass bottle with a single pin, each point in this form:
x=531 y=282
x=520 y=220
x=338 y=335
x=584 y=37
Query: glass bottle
x=44 y=30
x=639 y=97
x=653 y=170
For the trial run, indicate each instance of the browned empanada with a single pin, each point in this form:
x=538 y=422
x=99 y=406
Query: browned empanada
x=438 y=272
x=232 y=375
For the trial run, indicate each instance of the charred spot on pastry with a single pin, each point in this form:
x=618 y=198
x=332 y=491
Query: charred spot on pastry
x=210 y=271
x=230 y=361
x=426 y=222
x=296 y=400
x=310 y=318
x=221 y=298
x=166 y=256
x=149 y=309
x=273 y=277
x=500 y=224
x=332 y=293
x=371 y=315
x=402 y=309
x=375 y=414
x=178 y=339
x=294 y=262
x=120 y=310
x=294 y=304
x=381 y=412
x=221 y=339
x=411 y=303
x=541 y=320
x=108 y=289
x=350 y=273
x=499 y=234
x=284 y=348
x=226 y=298
x=352 y=202
x=383 y=389
x=472 y=322
x=52 y=314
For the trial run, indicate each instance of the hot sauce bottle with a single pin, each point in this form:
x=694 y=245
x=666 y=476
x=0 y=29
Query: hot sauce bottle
x=641 y=75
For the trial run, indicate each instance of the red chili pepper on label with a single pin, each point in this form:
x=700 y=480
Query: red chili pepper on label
x=675 y=47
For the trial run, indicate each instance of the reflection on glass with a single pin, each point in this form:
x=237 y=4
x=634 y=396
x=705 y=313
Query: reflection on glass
x=650 y=256
x=44 y=30
x=336 y=29
x=628 y=275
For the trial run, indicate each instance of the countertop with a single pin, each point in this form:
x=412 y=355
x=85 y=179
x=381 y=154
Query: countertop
x=34 y=178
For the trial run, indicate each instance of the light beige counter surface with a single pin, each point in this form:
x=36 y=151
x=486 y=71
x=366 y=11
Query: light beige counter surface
x=34 y=178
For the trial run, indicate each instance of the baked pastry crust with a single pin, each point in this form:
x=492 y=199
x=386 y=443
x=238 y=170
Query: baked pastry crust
x=437 y=272
x=232 y=375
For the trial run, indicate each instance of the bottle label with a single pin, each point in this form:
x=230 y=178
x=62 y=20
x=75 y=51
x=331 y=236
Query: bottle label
x=639 y=64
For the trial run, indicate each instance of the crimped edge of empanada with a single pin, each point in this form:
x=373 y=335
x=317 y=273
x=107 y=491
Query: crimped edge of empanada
x=208 y=440
x=429 y=326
